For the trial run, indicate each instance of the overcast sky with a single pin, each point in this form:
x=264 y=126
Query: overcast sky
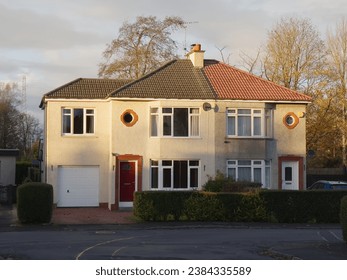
x=53 y=42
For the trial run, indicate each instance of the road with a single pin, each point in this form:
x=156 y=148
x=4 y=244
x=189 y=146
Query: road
x=165 y=241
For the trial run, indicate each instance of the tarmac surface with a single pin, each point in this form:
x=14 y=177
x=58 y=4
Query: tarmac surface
x=272 y=241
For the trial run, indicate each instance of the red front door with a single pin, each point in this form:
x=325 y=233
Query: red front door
x=127 y=174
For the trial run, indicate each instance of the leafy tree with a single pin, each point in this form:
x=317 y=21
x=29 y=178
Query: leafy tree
x=140 y=47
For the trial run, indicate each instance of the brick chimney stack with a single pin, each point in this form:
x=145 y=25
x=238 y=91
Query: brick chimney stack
x=196 y=55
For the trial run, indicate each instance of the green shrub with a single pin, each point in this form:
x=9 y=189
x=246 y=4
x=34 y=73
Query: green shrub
x=34 y=203
x=160 y=205
x=243 y=207
x=343 y=217
x=302 y=206
x=204 y=206
x=221 y=183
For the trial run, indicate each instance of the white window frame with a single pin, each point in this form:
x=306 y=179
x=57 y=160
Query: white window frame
x=264 y=165
x=86 y=115
x=156 y=113
x=158 y=164
x=266 y=122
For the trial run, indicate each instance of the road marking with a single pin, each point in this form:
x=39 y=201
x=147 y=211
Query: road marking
x=333 y=234
x=102 y=243
x=116 y=251
x=322 y=237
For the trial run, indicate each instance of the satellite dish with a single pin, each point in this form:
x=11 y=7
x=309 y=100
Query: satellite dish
x=206 y=106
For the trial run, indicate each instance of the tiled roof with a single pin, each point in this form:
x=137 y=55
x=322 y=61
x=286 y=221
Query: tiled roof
x=178 y=79
x=86 y=89
x=232 y=83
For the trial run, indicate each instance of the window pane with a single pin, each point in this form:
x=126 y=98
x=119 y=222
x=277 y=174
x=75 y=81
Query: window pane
x=232 y=173
x=154 y=177
x=90 y=124
x=167 y=110
x=245 y=162
x=194 y=125
x=257 y=126
x=257 y=175
x=244 y=126
x=180 y=174
x=244 y=174
x=154 y=125
x=244 y=111
x=193 y=163
x=167 y=125
x=181 y=122
x=231 y=126
x=78 y=121
x=166 y=178
x=268 y=124
x=194 y=178
x=67 y=124
x=288 y=174
x=167 y=163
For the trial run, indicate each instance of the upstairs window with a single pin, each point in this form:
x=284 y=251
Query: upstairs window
x=78 y=121
x=175 y=122
x=249 y=123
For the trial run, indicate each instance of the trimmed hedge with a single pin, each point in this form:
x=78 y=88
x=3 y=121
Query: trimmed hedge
x=343 y=217
x=35 y=203
x=256 y=206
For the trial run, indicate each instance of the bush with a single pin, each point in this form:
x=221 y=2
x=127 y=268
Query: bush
x=343 y=217
x=35 y=203
x=221 y=183
x=204 y=207
x=160 y=205
x=243 y=207
x=302 y=206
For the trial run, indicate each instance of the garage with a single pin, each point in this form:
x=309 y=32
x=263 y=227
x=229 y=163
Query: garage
x=78 y=186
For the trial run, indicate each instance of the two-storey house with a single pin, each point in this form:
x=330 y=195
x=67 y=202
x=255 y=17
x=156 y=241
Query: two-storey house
x=170 y=130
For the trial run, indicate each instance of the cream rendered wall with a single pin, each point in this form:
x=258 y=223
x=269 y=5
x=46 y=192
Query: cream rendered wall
x=78 y=149
x=284 y=142
x=136 y=140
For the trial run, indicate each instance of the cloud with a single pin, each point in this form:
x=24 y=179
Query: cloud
x=23 y=29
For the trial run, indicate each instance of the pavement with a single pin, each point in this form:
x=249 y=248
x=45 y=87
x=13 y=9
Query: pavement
x=73 y=216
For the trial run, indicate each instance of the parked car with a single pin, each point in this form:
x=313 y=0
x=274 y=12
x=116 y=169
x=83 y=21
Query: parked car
x=328 y=185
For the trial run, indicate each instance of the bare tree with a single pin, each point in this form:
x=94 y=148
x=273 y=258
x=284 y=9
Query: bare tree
x=140 y=47
x=337 y=51
x=293 y=53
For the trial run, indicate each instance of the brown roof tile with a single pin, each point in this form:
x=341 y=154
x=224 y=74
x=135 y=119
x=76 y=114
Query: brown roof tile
x=232 y=83
x=86 y=89
x=178 y=79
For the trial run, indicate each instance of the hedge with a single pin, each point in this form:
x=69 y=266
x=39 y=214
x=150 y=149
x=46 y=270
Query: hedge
x=343 y=217
x=35 y=203
x=256 y=206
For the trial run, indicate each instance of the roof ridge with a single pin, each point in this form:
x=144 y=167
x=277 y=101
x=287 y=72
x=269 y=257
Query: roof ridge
x=112 y=94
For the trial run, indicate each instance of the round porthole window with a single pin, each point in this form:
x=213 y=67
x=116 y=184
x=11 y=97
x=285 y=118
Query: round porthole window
x=129 y=117
x=290 y=120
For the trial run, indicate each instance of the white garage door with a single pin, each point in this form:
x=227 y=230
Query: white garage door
x=78 y=186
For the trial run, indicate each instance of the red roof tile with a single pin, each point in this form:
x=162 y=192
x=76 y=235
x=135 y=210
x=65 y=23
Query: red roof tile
x=232 y=83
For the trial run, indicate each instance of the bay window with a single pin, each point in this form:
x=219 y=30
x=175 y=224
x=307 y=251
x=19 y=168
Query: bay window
x=250 y=171
x=249 y=123
x=174 y=174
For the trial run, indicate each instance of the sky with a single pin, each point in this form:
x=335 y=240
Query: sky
x=52 y=42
